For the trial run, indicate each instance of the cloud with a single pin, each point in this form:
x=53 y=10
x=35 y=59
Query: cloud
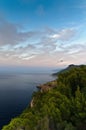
x=11 y=34
x=50 y=31
x=28 y=57
x=18 y=53
x=14 y=34
x=48 y=45
x=44 y=47
x=64 y=34
x=49 y=41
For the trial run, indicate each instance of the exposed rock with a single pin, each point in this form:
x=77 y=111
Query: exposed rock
x=32 y=104
x=47 y=86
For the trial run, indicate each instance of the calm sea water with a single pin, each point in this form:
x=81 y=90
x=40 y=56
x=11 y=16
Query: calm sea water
x=16 y=91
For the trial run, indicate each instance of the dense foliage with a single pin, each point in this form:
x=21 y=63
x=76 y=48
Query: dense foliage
x=60 y=108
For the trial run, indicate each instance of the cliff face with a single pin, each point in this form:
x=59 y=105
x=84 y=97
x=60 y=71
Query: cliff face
x=58 y=105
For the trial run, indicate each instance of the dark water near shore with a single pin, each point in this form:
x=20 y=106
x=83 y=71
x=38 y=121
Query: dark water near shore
x=16 y=91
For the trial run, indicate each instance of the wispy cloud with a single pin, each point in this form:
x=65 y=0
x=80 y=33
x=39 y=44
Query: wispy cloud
x=48 y=46
x=64 y=34
x=11 y=34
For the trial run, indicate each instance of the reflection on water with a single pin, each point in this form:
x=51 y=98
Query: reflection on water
x=16 y=92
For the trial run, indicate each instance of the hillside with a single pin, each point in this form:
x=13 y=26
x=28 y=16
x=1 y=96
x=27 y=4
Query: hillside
x=71 y=66
x=62 y=106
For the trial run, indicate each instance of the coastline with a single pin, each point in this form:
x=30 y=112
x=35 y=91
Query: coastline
x=55 y=105
x=44 y=87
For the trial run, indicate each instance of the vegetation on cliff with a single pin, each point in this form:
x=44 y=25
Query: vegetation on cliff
x=62 y=107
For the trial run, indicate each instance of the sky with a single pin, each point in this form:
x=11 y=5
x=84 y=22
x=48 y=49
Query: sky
x=42 y=33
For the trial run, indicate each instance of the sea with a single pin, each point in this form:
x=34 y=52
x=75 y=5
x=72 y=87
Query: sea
x=16 y=92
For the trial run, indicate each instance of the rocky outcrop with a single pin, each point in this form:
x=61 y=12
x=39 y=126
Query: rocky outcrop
x=47 y=86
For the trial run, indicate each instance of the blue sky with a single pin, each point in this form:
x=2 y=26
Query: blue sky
x=50 y=33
